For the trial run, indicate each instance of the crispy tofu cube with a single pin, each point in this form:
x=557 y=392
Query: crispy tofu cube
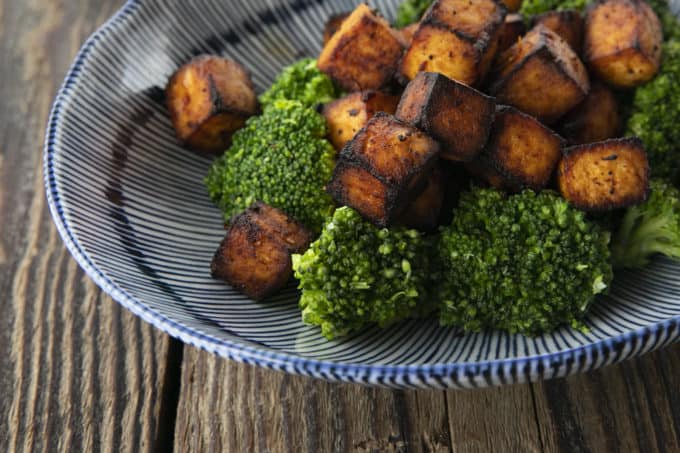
x=567 y=23
x=347 y=115
x=541 y=75
x=424 y=211
x=512 y=5
x=606 y=175
x=458 y=116
x=522 y=150
x=255 y=255
x=364 y=53
x=595 y=119
x=622 y=42
x=511 y=31
x=383 y=168
x=333 y=25
x=408 y=32
x=209 y=98
x=457 y=38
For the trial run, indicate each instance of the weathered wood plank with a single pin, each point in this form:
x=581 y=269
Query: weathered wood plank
x=79 y=372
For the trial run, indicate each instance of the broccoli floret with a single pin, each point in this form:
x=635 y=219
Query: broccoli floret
x=524 y=263
x=650 y=228
x=656 y=115
x=410 y=12
x=669 y=21
x=302 y=81
x=280 y=158
x=356 y=274
x=531 y=7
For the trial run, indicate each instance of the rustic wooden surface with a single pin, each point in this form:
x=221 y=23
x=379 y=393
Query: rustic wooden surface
x=78 y=373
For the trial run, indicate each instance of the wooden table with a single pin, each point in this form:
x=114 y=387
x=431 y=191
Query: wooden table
x=79 y=373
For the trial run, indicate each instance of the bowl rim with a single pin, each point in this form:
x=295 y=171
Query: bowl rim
x=521 y=368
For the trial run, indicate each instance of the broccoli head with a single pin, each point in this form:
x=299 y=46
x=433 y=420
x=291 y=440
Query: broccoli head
x=656 y=115
x=356 y=274
x=280 y=158
x=531 y=7
x=524 y=263
x=410 y=12
x=302 y=81
x=650 y=228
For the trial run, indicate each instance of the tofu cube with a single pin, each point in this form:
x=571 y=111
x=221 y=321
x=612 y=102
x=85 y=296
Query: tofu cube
x=595 y=119
x=255 y=255
x=605 y=175
x=522 y=150
x=210 y=98
x=333 y=25
x=482 y=170
x=457 y=38
x=512 y=29
x=622 y=42
x=408 y=32
x=347 y=115
x=567 y=23
x=424 y=211
x=364 y=53
x=458 y=116
x=541 y=75
x=383 y=168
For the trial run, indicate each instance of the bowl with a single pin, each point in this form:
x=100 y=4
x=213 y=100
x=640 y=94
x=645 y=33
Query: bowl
x=132 y=209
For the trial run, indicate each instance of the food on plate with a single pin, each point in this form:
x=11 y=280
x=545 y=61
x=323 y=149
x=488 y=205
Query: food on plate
x=364 y=53
x=523 y=151
x=606 y=175
x=669 y=21
x=209 y=98
x=484 y=172
x=255 y=255
x=655 y=116
x=524 y=263
x=383 y=168
x=408 y=32
x=347 y=115
x=566 y=23
x=333 y=25
x=650 y=228
x=531 y=7
x=457 y=38
x=356 y=274
x=622 y=42
x=410 y=12
x=302 y=81
x=512 y=5
x=458 y=116
x=280 y=158
x=541 y=75
x=512 y=29
x=424 y=211
x=595 y=119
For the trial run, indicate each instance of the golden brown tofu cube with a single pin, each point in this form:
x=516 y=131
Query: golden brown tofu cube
x=255 y=255
x=541 y=75
x=424 y=211
x=622 y=42
x=522 y=150
x=567 y=23
x=210 y=98
x=457 y=38
x=595 y=119
x=513 y=28
x=364 y=53
x=513 y=5
x=408 y=32
x=456 y=115
x=333 y=25
x=383 y=168
x=606 y=175
x=347 y=115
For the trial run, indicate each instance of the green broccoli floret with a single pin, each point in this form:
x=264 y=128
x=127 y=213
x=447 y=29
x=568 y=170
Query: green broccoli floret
x=280 y=158
x=531 y=7
x=410 y=12
x=524 y=263
x=656 y=115
x=302 y=81
x=650 y=228
x=669 y=21
x=356 y=274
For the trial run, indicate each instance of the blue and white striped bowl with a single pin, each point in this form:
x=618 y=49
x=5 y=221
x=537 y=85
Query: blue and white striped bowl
x=131 y=207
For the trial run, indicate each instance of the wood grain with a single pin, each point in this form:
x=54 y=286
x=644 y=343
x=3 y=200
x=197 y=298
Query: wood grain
x=79 y=373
